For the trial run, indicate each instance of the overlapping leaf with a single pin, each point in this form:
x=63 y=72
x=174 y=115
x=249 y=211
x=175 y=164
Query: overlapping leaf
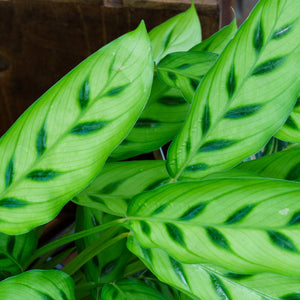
x=38 y=285
x=118 y=182
x=210 y=282
x=60 y=143
x=179 y=33
x=14 y=251
x=242 y=225
x=246 y=96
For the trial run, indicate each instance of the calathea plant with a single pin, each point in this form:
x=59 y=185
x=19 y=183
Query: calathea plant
x=209 y=222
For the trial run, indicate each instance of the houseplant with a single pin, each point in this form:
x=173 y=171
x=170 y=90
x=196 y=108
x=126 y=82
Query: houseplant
x=206 y=223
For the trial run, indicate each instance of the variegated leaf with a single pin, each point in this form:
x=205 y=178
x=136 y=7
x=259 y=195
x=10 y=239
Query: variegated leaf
x=118 y=182
x=38 y=285
x=185 y=70
x=206 y=281
x=242 y=225
x=61 y=142
x=179 y=33
x=246 y=96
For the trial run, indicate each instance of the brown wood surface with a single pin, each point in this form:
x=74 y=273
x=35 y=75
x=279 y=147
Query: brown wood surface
x=41 y=40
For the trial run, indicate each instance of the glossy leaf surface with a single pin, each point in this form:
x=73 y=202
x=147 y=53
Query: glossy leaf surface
x=242 y=225
x=243 y=100
x=38 y=285
x=61 y=142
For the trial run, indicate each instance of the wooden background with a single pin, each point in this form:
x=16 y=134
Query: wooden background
x=41 y=40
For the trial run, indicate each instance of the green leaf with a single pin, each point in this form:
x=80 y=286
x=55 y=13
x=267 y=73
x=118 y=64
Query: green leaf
x=179 y=33
x=217 y=42
x=38 y=285
x=241 y=224
x=14 y=251
x=130 y=288
x=206 y=281
x=118 y=182
x=160 y=121
x=61 y=142
x=185 y=70
x=245 y=97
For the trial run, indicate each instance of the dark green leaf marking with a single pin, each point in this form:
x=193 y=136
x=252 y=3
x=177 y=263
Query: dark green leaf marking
x=198 y=167
x=3 y=256
x=9 y=174
x=258 y=39
x=193 y=212
x=42 y=175
x=237 y=276
x=116 y=90
x=295 y=296
x=295 y=220
x=111 y=187
x=231 y=82
x=88 y=127
x=97 y=199
x=109 y=267
x=294 y=173
x=172 y=101
x=11 y=243
x=41 y=142
x=282 y=31
x=216 y=145
x=155 y=184
x=95 y=261
x=125 y=142
x=12 y=203
x=179 y=271
x=217 y=238
x=243 y=111
x=168 y=39
x=172 y=76
x=147 y=253
x=184 y=66
x=175 y=234
x=205 y=123
x=159 y=210
x=240 y=214
x=84 y=94
x=220 y=288
x=268 y=66
x=145 y=227
x=194 y=83
x=291 y=123
x=282 y=241
x=146 y=123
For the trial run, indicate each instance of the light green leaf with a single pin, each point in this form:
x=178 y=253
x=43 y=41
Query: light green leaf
x=210 y=282
x=217 y=42
x=245 y=97
x=38 y=285
x=242 y=225
x=118 y=182
x=185 y=70
x=14 y=251
x=61 y=142
x=291 y=129
x=158 y=124
x=179 y=33
x=130 y=289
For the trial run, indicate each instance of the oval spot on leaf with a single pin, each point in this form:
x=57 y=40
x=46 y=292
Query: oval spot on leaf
x=243 y=111
x=175 y=234
x=231 y=82
x=41 y=142
x=198 y=167
x=97 y=199
x=294 y=173
x=109 y=267
x=258 y=38
x=295 y=220
x=193 y=211
x=268 y=66
x=179 y=271
x=88 y=127
x=216 y=145
x=42 y=175
x=184 y=66
x=237 y=276
x=159 y=210
x=12 y=203
x=205 y=119
x=220 y=288
x=172 y=76
x=282 y=31
x=172 y=101
x=145 y=227
x=217 y=238
x=84 y=94
x=147 y=254
x=295 y=296
x=9 y=174
x=111 y=187
x=240 y=214
x=282 y=241
x=155 y=184
x=116 y=90
x=146 y=123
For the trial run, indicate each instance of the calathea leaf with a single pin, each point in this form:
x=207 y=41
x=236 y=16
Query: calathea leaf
x=185 y=70
x=130 y=288
x=179 y=33
x=206 y=281
x=217 y=42
x=14 y=251
x=242 y=225
x=243 y=100
x=38 y=285
x=61 y=142
x=118 y=182
x=158 y=124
